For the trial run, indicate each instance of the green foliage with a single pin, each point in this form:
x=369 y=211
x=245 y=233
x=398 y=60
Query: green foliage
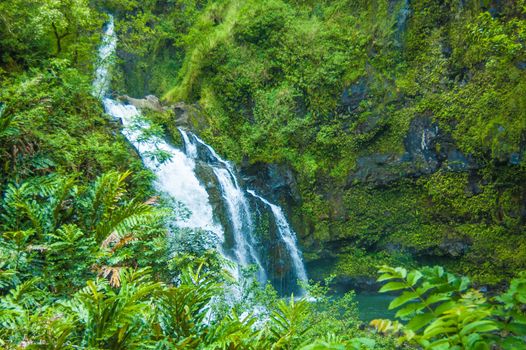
x=33 y=30
x=289 y=323
x=326 y=88
x=84 y=252
x=441 y=311
x=53 y=228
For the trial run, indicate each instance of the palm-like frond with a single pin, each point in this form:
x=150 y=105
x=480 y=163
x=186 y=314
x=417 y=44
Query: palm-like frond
x=8 y=124
x=21 y=210
x=105 y=195
x=110 y=317
x=121 y=220
x=233 y=332
x=183 y=309
x=37 y=203
x=7 y=278
x=287 y=323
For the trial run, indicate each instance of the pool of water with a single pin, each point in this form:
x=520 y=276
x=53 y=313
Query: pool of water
x=374 y=305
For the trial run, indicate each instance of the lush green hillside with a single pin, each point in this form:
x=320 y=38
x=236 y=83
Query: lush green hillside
x=403 y=123
x=393 y=131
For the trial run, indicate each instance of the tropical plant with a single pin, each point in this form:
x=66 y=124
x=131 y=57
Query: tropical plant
x=439 y=310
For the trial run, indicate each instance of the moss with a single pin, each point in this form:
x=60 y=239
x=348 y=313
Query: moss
x=360 y=263
x=320 y=86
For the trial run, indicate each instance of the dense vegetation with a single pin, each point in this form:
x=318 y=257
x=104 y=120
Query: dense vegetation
x=403 y=122
x=335 y=91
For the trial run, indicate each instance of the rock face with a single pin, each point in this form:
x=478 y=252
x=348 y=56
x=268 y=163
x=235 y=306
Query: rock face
x=353 y=95
x=427 y=149
x=185 y=115
x=150 y=102
x=276 y=182
x=358 y=216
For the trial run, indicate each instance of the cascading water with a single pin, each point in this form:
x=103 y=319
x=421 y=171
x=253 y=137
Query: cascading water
x=101 y=84
x=288 y=237
x=175 y=176
x=237 y=205
x=177 y=171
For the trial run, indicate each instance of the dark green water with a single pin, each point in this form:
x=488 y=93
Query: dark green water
x=374 y=305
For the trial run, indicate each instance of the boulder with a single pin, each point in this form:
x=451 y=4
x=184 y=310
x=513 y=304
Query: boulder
x=150 y=102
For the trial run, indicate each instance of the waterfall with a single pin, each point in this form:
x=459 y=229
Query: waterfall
x=190 y=148
x=177 y=176
x=288 y=237
x=236 y=203
x=101 y=84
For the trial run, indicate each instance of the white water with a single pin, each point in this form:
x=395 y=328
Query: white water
x=101 y=83
x=236 y=203
x=176 y=176
x=288 y=237
x=190 y=147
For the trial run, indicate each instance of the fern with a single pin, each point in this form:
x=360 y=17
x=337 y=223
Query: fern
x=105 y=195
x=183 y=310
x=109 y=317
x=124 y=218
x=8 y=124
x=7 y=278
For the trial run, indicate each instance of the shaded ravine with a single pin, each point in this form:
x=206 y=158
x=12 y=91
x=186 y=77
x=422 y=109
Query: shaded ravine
x=178 y=177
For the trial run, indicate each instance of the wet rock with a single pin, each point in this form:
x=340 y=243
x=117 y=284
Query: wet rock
x=515 y=158
x=380 y=169
x=353 y=95
x=420 y=143
x=275 y=181
x=474 y=186
x=454 y=248
x=150 y=102
x=457 y=161
x=373 y=123
x=427 y=149
x=343 y=284
x=401 y=22
x=182 y=115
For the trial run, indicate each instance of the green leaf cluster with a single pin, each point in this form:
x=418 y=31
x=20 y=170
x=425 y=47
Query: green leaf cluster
x=440 y=310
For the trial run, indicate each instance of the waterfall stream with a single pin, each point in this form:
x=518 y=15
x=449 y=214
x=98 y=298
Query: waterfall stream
x=288 y=237
x=101 y=83
x=178 y=175
x=236 y=202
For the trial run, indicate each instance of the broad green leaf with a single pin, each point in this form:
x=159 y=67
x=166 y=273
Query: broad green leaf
x=413 y=277
x=464 y=284
x=420 y=321
x=479 y=327
x=435 y=298
x=426 y=286
x=409 y=309
x=402 y=299
x=392 y=286
x=321 y=345
x=360 y=343
x=385 y=277
x=441 y=344
x=442 y=331
x=516 y=328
